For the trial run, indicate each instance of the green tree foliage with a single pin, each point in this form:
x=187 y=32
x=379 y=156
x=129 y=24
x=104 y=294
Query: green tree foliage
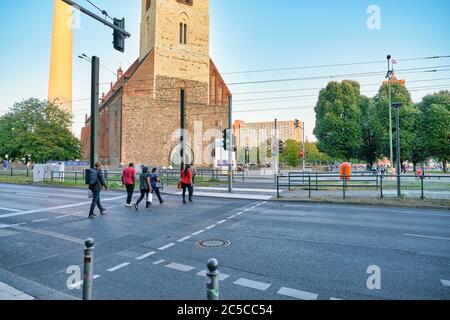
x=370 y=141
x=436 y=126
x=408 y=120
x=38 y=131
x=290 y=154
x=314 y=156
x=338 y=119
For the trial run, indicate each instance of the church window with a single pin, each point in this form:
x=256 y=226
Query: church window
x=148 y=4
x=185 y=33
x=181 y=33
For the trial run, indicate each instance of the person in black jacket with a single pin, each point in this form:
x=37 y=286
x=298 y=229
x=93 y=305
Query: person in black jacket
x=96 y=189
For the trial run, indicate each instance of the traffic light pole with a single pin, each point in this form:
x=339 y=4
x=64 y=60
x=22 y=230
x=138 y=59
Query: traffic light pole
x=230 y=144
x=183 y=128
x=94 y=109
x=277 y=150
x=304 y=154
x=98 y=18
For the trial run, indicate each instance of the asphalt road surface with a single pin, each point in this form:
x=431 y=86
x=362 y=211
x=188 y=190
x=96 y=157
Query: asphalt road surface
x=275 y=250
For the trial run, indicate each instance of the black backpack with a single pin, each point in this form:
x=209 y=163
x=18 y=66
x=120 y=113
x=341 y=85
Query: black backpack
x=91 y=177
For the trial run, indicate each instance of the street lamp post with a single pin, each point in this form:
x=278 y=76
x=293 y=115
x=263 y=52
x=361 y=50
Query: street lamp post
x=389 y=76
x=397 y=107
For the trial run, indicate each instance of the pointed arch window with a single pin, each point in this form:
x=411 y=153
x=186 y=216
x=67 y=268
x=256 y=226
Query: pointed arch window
x=183 y=33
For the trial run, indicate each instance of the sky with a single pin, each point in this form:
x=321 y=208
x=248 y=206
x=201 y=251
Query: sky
x=246 y=35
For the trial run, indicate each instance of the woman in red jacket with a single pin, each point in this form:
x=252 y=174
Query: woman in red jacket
x=186 y=182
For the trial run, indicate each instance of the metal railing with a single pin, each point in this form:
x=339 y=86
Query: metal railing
x=315 y=182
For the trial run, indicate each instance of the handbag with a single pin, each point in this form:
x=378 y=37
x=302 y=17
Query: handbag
x=180 y=185
x=150 y=198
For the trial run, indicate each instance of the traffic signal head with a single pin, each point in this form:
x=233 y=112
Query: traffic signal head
x=119 y=37
x=225 y=139
x=281 y=146
x=296 y=123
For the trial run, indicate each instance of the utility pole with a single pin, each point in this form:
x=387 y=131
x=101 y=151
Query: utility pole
x=94 y=109
x=389 y=77
x=277 y=150
x=230 y=144
x=183 y=128
x=304 y=155
x=397 y=107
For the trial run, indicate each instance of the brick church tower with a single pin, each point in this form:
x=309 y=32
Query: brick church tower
x=140 y=116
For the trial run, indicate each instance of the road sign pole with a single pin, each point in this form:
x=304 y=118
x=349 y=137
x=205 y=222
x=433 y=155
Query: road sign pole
x=88 y=269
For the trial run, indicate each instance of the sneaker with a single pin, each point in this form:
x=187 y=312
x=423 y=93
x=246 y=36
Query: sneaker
x=92 y=216
x=128 y=205
x=103 y=212
x=136 y=207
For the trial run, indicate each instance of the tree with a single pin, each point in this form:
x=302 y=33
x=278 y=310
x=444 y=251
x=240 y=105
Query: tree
x=436 y=126
x=408 y=115
x=314 y=156
x=38 y=131
x=370 y=142
x=290 y=154
x=338 y=120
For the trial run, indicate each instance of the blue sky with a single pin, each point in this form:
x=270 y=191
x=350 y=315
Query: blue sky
x=245 y=35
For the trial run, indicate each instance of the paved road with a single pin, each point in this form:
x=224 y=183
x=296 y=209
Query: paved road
x=276 y=251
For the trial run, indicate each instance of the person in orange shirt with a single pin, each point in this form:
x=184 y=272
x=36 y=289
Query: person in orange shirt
x=346 y=171
x=186 y=182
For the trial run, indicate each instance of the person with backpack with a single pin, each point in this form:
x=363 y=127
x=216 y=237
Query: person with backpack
x=145 y=187
x=186 y=182
x=129 y=180
x=96 y=183
x=155 y=182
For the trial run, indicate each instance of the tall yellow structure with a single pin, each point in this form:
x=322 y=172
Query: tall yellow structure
x=60 y=81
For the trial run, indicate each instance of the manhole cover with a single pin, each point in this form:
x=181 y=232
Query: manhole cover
x=213 y=243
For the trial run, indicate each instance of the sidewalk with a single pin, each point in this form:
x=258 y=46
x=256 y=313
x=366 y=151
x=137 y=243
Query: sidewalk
x=9 y=293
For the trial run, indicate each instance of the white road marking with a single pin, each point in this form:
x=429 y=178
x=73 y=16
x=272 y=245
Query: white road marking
x=252 y=284
x=38 y=195
x=198 y=232
x=230 y=195
x=426 y=237
x=180 y=267
x=222 y=276
x=65 y=216
x=167 y=246
x=221 y=221
x=4 y=226
x=159 y=262
x=144 y=256
x=232 y=217
x=41 y=220
x=297 y=294
x=423 y=214
x=80 y=283
x=240 y=213
x=238 y=189
x=120 y=266
x=24 y=213
x=246 y=210
x=210 y=227
x=445 y=283
x=184 y=239
x=335 y=299
x=10 y=210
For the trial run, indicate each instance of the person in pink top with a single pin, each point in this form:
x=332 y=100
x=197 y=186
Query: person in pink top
x=129 y=180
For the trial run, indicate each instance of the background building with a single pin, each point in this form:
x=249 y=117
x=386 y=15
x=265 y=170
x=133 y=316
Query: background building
x=258 y=133
x=140 y=115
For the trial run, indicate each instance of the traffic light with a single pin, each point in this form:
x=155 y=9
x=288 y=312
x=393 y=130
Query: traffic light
x=280 y=146
x=225 y=139
x=234 y=143
x=296 y=123
x=301 y=155
x=119 y=37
